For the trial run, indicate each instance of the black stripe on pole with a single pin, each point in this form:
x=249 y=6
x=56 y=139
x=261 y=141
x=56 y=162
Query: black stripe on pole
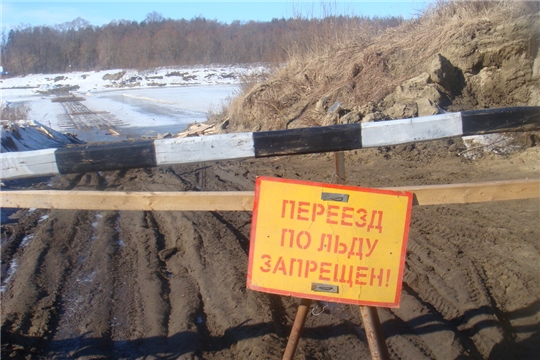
x=112 y=156
x=307 y=140
x=487 y=121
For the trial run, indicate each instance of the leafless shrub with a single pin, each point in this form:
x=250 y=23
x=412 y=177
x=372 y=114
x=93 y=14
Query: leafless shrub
x=14 y=112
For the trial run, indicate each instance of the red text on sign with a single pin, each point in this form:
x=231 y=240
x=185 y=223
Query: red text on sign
x=327 y=271
x=332 y=214
x=359 y=246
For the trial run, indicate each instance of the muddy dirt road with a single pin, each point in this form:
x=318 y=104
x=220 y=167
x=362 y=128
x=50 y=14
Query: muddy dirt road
x=134 y=284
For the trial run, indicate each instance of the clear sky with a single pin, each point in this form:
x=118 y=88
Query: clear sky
x=17 y=12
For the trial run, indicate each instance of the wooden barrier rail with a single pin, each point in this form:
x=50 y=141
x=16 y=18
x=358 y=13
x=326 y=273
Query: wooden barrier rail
x=243 y=200
x=128 y=155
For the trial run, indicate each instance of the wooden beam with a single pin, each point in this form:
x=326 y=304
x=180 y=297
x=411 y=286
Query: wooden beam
x=243 y=200
x=114 y=200
x=473 y=192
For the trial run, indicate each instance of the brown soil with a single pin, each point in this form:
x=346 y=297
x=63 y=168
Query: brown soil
x=135 y=284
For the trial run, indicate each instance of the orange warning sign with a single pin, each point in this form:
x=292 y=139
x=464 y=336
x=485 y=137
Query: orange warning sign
x=329 y=242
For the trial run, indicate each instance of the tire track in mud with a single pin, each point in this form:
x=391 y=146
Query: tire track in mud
x=419 y=328
x=462 y=301
x=332 y=333
x=44 y=268
x=205 y=253
x=141 y=294
x=67 y=266
x=216 y=264
x=445 y=268
x=77 y=247
x=125 y=323
x=182 y=253
x=83 y=328
x=15 y=238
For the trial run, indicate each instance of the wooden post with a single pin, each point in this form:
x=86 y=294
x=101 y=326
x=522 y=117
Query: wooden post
x=340 y=167
x=370 y=318
x=374 y=334
x=297 y=327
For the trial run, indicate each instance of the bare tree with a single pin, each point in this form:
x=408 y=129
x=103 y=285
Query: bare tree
x=156 y=41
x=153 y=17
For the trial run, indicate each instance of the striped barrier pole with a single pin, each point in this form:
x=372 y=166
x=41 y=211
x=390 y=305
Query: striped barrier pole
x=236 y=146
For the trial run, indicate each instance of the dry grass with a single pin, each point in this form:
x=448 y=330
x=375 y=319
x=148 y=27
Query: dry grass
x=14 y=113
x=360 y=69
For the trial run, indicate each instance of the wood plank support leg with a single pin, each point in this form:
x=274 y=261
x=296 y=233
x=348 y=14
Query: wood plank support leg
x=297 y=327
x=374 y=334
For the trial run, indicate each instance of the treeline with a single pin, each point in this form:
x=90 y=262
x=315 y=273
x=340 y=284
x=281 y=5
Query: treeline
x=156 y=41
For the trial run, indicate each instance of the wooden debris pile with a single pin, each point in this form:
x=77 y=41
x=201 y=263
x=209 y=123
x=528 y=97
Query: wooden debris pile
x=197 y=130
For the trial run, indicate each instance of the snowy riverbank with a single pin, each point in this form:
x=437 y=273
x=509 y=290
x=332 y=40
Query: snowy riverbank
x=90 y=81
x=125 y=104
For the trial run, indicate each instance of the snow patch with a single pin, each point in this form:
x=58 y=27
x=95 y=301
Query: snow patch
x=26 y=240
x=476 y=145
x=88 y=278
x=10 y=272
x=95 y=81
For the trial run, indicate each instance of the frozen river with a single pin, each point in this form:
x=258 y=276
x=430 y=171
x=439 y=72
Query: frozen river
x=129 y=113
x=114 y=105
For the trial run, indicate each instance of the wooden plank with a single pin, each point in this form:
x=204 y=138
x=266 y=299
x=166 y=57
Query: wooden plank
x=243 y=200
x=474 y=192
x=113 y=200
x=196 y=130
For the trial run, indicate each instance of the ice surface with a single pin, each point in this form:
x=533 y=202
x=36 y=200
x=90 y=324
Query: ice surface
x=139 y=103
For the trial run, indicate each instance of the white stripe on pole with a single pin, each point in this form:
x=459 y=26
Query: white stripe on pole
x=204 y=148
x=411 y=130
x=23 y=164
